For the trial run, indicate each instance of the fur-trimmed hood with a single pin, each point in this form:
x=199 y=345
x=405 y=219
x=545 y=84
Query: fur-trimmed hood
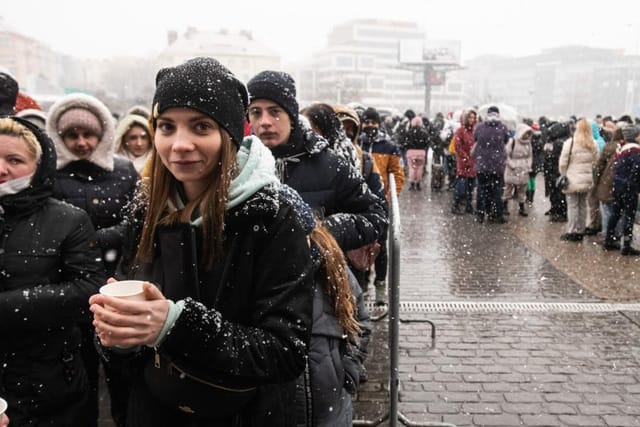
x=103 y=154
x=123 y=127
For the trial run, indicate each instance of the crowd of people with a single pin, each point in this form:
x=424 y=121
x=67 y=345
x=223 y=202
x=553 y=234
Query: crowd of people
x=256 y=227
x=591 y=168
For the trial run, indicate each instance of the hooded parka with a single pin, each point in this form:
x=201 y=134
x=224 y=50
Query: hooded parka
x=519 y=157
x=49 y=267
x=100 y=185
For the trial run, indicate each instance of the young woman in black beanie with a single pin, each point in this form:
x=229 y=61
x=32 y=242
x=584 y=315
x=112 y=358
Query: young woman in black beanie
x=224 y=330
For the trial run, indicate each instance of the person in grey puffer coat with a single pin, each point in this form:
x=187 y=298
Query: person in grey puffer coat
x=518 y=165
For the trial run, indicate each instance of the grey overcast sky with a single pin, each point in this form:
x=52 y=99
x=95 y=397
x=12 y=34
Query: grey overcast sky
x=297 y=28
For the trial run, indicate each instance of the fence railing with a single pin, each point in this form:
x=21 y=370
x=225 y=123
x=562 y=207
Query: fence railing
x=393 y=280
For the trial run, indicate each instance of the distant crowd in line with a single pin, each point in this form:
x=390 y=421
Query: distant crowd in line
x=256 y=228
x=591 y=168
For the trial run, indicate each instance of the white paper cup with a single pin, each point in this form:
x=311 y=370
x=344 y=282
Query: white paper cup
x=3 y=406
x=125 y=289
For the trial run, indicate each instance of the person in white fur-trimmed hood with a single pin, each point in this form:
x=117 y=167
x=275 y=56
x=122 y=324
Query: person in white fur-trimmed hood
x=89 y=175
x=91 y=178
x=133 y=140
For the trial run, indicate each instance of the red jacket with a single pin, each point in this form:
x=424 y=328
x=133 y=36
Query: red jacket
x=463 y=141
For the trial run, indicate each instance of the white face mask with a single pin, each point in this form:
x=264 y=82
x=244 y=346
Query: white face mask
x=15 y=185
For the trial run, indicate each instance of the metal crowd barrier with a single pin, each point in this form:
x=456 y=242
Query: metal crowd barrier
x=393 y=279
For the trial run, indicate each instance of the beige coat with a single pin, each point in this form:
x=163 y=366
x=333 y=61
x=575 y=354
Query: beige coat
x=519 y=155
x=578 y=166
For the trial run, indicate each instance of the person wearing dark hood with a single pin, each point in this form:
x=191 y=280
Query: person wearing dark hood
x=626 y=186
x=90 y=177
x=491 y=136
x=8 y=93
x=385 y=153
x=225 y=328
x=325 y=122
x=50 y=267
x=326 y=181
x=554 y=137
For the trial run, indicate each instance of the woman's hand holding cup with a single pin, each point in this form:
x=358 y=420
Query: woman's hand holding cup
x=128 y=313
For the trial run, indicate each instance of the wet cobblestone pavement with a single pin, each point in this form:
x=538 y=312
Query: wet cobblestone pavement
x=552 y=367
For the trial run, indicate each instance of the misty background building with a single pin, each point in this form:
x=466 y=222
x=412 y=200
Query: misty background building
x=361 y=62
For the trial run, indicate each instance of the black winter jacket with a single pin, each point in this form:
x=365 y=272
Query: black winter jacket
x=332 y=187
x=415 y=138
x=103 y=195
x=246 y=322
x=49 y=267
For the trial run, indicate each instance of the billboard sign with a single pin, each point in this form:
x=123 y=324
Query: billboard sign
x=434 y=52
x=441 y=52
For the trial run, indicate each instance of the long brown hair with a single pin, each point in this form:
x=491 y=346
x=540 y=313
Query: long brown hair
x=161 y=187
x=335 y=280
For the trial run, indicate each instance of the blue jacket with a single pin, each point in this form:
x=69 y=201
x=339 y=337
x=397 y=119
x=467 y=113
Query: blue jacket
x=627 y=169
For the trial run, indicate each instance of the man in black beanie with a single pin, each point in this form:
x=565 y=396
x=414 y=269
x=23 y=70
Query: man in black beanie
x=327 y=182
x=8 y=94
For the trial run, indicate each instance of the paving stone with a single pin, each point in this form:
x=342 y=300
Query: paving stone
x=501 y=387
x=481 y=408
x=523 y=397
x=621 y=421
x=581 y=420
x=459 y=420
x=522 y=408
x=507 y=420
x=563 y=397
x=598 y=409
x=460 y=397
x=443 y=408
x=601 y=399
x=464 y=387
x=542 y=420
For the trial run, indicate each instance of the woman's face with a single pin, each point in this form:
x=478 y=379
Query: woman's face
x=81 y=142
x=15 y=159
x=136 y=141
x=189 y=145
